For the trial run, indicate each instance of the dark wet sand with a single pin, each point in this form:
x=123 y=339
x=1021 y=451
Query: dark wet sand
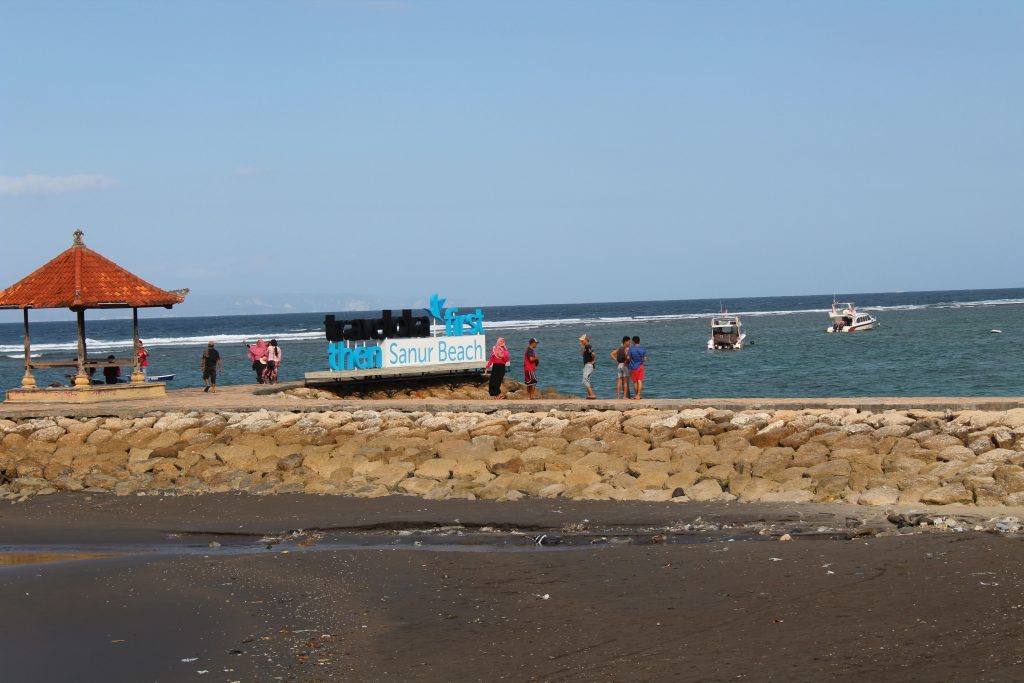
x=922 y=607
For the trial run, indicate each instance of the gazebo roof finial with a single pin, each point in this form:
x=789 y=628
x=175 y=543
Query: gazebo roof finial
x=78 y=238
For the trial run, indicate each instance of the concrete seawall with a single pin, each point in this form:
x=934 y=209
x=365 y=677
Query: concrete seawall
x=869 y=451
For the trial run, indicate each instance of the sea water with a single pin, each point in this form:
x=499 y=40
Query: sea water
x=927 y=344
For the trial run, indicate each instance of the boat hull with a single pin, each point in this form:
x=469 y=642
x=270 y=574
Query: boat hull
x=854 y=328
x=738 y=345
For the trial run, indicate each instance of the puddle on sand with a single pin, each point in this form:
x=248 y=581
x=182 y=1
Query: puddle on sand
x=8 y=559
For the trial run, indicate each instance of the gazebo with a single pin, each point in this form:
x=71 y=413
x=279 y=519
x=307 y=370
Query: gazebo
x=80 y=279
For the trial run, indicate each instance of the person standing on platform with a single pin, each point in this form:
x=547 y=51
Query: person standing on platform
x=621 y=358
x=588 y=365
x=530 y=363
x=637 y=358
x=143 y=359
x=210 y=365
x=496 y=364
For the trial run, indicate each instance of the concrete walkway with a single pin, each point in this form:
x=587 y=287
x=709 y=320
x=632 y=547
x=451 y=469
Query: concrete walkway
x=248 y=398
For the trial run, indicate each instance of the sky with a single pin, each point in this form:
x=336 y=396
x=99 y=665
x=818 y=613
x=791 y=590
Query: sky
x=292 y=152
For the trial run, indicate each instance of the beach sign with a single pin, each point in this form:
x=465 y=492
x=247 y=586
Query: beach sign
x=404 y=340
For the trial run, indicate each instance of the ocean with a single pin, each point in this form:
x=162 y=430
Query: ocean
x=927 y=344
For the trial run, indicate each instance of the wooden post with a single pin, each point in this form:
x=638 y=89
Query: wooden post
x=28 y=381
x=82 y=378
x=137 y=375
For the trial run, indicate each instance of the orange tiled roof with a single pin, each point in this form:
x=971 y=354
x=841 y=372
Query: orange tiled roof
x=81 y=278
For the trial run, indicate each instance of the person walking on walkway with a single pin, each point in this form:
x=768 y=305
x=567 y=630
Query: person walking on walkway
x=496 y=363
x=621 y=358
x=210 y=364
x=258 y=356
x=273 y=362
x=637 y=359
x=588 y=365
x=530 y=363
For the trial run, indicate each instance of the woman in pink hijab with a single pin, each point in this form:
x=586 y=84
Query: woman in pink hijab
x=499 y=358
x=258 y=356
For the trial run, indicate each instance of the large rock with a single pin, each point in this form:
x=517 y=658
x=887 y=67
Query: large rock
x=1010 y=477
x=707 y=489
x=391 y=474
x=682 y=480
x=772 y=462
x=579 y=478
x=948 y=495
x=754 y=489
x=772 y=434
x=988 y=494
x=787 y=497
x=956 y=452
x=981 y=443
x=881 y=495
x=47 y=434
x=756 y=420
x=439 y=469
x=417 y=486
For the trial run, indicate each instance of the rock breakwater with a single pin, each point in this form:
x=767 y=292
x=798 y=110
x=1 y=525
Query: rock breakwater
x=465 y=388
x=699 y=454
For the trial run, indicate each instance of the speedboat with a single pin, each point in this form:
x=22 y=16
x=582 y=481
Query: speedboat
x=845 y=318
x=726 y=333
x=160 y=378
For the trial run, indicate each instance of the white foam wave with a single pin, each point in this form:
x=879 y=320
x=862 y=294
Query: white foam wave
x=153 y=342
x=21 y=356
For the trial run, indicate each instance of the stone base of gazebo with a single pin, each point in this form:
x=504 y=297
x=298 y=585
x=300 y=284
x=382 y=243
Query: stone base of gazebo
x=96 y=393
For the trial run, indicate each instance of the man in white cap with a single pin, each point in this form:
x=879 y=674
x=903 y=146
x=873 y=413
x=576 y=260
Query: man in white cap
x=588 y=365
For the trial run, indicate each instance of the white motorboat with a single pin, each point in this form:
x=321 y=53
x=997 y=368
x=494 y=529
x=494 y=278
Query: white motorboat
x=846 y=318
x=726 y=333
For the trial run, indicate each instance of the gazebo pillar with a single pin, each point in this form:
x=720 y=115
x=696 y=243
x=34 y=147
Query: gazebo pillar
x=82 y=378
x=28 y=381
x=137 y=376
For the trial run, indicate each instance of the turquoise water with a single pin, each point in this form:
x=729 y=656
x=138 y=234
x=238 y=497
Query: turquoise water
x=928 y=344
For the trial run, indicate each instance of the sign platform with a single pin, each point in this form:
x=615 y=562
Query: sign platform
x=395 y=373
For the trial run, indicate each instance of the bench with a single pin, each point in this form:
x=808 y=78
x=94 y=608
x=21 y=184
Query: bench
x=74 y=363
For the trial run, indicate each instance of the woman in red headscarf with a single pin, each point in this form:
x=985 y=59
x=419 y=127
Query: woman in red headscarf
x=499 y=358
x=258 y=356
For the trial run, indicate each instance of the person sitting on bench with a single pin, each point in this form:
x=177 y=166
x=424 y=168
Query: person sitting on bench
x=111 y=372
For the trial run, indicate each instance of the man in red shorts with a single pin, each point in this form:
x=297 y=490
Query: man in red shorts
x=637 y=358
x=530 y=363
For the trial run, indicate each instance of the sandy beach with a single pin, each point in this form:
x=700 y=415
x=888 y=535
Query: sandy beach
x=640 y=597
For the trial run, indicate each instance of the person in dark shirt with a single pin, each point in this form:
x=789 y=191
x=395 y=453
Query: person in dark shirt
x=530 y=363
x=111 y=372
x=588 y=365
x=210 y=365
x=621 y=358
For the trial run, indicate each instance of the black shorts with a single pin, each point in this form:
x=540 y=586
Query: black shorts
x=531 y=378
x=210 y=374
x=271 y=365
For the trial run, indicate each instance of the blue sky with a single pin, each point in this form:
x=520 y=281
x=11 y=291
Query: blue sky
x=517 y=152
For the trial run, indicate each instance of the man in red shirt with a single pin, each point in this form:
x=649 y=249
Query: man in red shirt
x=530 y=363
